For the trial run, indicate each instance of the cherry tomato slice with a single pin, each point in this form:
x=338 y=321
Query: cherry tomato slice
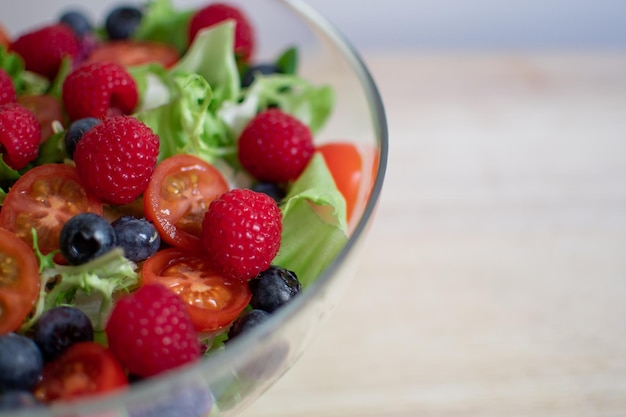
x=344 y=163
x=44 y=198
x=19 y=281
x=129 y=53
x=46 y=108
x=213 y=301
x=178 y=196
x=86 y=368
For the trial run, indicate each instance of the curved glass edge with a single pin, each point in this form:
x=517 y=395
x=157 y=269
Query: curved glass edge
x=220 y=363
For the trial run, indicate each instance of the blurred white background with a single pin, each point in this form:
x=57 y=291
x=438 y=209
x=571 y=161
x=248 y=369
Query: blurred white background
x=452 y=24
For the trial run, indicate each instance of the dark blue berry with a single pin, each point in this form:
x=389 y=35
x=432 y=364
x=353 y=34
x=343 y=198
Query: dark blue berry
x=246 y=322
x=21 y=362
x=77 y=21
x=122 y=21
x=85 y=237
x=266 y=69
x=18 y=399
x=76 y=131
x=138 y=237
x=59 y=328
x=180 y=402
x=273 y=288
x=274 y=190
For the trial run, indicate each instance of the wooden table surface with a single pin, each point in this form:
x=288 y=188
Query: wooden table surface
x=493 y=282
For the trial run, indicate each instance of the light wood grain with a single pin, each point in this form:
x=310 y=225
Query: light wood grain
x=494 y=278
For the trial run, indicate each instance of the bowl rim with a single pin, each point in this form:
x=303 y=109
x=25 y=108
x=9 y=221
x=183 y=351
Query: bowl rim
x=219 y=361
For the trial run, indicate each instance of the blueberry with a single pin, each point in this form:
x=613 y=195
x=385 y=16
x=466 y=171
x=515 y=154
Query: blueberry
x=21 y=362
x=18 y=399
x=138 y=237
x=274 y=190
x=85 y=237
x=76 y=131
x=246 y=322
x=266 y=69
x=77 y=21
x=59 y=328
x=273 y=288
x=122 y=21
x=182 y=401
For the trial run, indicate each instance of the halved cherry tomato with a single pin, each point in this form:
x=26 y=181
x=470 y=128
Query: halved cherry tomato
x=46 y=108
x=44 y=198
x=345 y=164
x=213 y=301
x=178 y=196
x=19 y=281
x=129 y=53
x=85 y=368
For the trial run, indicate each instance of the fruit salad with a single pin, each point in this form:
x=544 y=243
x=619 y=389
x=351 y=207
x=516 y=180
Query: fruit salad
x=161 y=192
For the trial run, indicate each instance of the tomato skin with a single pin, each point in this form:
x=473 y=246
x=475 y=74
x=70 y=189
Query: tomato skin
x=85 y=368
x=345 y=165
x=44 y=198
x=178 y=196
x=19 y=281
x=213 y=301
x=46 y=108
x=128 y=53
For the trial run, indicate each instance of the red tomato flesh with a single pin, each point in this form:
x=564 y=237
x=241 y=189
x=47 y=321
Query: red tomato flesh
x=213 y=301
x=44 y=198
x=46 y=108
x=178 y=196
x=346 y=166
x=129 y=53
x=84 y=369
x=19 y=281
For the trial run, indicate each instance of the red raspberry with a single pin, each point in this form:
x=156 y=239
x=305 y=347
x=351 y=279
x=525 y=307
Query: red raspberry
x=241 y=233
x=116 y=158
x=218 y=12
x=275 y=146
x=7 y=89
x=99 y=89
x=150 y=331
x=43 y=49
x=20 y=134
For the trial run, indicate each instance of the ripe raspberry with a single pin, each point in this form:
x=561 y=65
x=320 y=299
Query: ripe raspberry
x=116 y=158
x=7 y=89
x=150 y=331
x=275 y=146
x=43 y=49
x=218 y=12
x=20 y=134
x=99 y=89
x=241 y=233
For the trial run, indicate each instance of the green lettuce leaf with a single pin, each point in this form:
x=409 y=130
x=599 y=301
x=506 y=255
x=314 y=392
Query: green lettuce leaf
x=314 y=223
x=8 y=174
x=100 y=279
x=25 y=82
x=162 y=22
x=186 y=124
x=309 y=103
x=211 y=56
x=55 y=89
x=154 y=85
x=13 y=64
x=181 y=104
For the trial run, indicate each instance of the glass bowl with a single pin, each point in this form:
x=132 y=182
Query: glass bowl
x=229 y=380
